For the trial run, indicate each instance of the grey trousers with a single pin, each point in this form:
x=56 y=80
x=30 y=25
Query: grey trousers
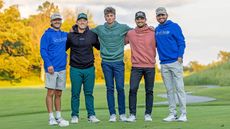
x=172 y=75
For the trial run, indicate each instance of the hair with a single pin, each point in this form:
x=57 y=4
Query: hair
x=109 y=10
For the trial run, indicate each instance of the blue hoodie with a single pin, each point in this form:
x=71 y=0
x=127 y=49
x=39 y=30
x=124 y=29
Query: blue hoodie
x=170 y=42
x=53 y=49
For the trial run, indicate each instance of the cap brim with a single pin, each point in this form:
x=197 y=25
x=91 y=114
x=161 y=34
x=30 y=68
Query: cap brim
x=161 y=13
x=140 y=17
x=82 y=18
x=56 y=18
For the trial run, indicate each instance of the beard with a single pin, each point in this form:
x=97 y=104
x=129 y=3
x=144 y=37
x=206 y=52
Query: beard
x=140 y=25
x=56 y=27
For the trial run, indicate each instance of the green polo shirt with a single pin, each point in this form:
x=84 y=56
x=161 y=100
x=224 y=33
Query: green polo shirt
x=112 y=41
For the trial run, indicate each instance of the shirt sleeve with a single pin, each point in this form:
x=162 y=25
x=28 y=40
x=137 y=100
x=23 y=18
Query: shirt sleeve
x=127 y=28
x=94 y=30
x=44 y=43
x=127 y=39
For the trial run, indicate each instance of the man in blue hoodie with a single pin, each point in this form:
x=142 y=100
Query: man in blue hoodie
x=53 y=52
x=170 y=46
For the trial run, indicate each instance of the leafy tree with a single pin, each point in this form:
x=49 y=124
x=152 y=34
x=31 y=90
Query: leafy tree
x=1 y=4
x=15 y=47
x=224 y=56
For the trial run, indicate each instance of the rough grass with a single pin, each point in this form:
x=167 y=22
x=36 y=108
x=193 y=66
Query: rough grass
x=218 y=75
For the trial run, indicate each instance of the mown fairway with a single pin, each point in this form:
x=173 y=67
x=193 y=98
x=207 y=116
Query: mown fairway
x=24 y=108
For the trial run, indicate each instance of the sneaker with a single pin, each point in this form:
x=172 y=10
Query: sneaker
x=171 y=117
x=93 y=119
x=132 y=118
x=52 y=121
x=123 y=118
x=62 y=123
x=74 y=120
x=112 y=118
x=182 y=118
x=148 y=117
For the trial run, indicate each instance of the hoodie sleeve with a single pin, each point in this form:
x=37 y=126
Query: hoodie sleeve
x=43 y=50
x=97 y=43
x=179 y=37
x=68 y=43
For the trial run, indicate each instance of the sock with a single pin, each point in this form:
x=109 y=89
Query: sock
x=58 y=114
x=51 y=115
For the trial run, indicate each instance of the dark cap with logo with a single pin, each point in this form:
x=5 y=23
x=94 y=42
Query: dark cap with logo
x=82 y=16
x=140 y=14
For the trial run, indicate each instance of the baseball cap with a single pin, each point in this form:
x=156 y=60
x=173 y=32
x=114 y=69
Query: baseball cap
x=55 y=16
x=140 y=14
x=161 y=10
x=82 y=15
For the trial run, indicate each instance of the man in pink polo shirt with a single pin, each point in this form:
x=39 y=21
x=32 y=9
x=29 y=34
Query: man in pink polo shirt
x=143 y=52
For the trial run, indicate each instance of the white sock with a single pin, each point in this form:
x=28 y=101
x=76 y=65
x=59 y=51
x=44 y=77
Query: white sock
x=58 y=114
x=51 y=115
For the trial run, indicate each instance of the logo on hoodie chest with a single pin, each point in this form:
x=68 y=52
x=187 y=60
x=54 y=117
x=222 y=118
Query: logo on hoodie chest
x=163 y=32
x=58 y=40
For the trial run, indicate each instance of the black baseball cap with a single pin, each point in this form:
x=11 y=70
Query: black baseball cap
x=140 y=14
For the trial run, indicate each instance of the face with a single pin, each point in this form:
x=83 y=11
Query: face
x=110 y=18
x=141 y=22
x=82 y=23
x=161 y=18
x=56 y=23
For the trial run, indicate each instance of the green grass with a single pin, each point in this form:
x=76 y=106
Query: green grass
x=24 y=108
x=218 y=75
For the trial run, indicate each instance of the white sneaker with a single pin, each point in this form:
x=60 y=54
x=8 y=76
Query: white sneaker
x=52 y=121
x=148 y=117
x=112 y=118
x=93 y=119
x=123 y=118
x=132 y=118
x=62 y=122
x=171 y=117
x=182 y=118
x=74 y=120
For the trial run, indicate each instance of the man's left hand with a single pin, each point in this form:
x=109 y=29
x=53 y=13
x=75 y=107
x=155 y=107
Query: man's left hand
x=180 y=60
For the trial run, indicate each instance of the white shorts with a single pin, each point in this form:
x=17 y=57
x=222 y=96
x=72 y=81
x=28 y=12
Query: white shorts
x=57 y=80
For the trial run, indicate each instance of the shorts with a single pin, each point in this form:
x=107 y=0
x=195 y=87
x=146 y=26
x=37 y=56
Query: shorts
x=56 y=81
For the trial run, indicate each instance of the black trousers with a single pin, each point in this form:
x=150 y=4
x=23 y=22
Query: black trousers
x=149 y=77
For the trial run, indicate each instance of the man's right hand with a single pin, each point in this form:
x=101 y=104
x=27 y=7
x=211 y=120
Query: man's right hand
x=51 y=69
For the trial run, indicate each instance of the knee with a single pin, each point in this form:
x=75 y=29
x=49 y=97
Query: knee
x=180 y=90
x=88 y=92
x=149 y=92
x=110 y=89
x=50 y=93
x=133 y=90
x=170 y=91
x=58 y=94
x=120 y=89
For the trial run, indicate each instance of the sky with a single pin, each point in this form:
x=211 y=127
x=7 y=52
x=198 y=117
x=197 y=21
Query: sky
x=205 y=23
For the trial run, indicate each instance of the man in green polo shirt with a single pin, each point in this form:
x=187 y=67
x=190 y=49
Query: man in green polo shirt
x=111 y=36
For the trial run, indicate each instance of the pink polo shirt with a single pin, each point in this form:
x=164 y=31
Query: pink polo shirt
x=143 y=47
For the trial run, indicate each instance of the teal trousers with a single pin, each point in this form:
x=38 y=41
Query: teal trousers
x=85 y=78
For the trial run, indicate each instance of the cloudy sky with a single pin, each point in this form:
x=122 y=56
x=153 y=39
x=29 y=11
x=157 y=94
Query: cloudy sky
x=205 y=23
